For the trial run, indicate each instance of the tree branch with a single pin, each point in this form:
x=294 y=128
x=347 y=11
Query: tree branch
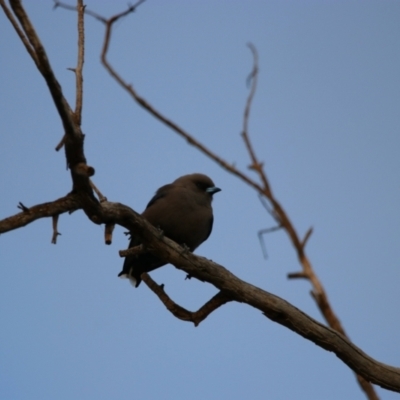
x=271 y=306
x=156 y=114
x=280 y=216
x=68 y=203
x=79 y=67
x=181 y=313
x=42 y=63
x=20 y=33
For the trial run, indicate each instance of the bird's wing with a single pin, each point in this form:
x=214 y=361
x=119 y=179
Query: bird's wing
x=210 y=227
x=162 y=192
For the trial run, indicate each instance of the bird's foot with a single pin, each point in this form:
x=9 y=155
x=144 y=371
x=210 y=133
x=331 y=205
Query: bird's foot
x=185 y=248
x=160 y=232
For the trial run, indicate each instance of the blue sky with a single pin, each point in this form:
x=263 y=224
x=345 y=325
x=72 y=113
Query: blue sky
x=325 y=120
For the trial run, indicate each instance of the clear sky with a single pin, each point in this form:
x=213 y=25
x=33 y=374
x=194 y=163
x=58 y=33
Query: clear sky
x=325 y=121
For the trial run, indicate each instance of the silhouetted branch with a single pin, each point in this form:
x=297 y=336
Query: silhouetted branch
x=55 y=230
x=270 y=305
x=133 y=251
x=97 y=191
x=108 y=231
x=73 y=8
x=306 y=237
x=68 y=203
x=130 y=9
x=79 y=67
x=281 y=218
x=261 y=233
x=20 y=33
x=277 y=210
x=39 y=55
x=178 y=311
x=255 y=164
x=148 y=107
x=60 y=144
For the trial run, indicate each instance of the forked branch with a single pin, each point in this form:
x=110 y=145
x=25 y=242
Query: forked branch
x=178 y=311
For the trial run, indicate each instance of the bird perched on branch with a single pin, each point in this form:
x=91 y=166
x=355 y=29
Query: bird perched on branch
x=182 y=210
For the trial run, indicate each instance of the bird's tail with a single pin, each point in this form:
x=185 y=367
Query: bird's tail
x=132 y=280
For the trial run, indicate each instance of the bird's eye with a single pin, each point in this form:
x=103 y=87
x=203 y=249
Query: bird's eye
x=201 y=186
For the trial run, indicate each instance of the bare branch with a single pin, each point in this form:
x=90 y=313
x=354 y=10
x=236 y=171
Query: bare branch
x=130 y=9
x=55 y=231
x=261 y=234
x=60 y=144
x=272 y=306
x=79 y=67
x=306 y=237
x=97 y=191
x=277 y=210
x=73 y=8
x=64 y=204
x=181 y=313
x=20 y=33
x=143 y=103
x=283 y=220
x=255 y=164
x=22 y=207
x=297 y=275
x=108 y=230
x=132 y=251
x=42 y=62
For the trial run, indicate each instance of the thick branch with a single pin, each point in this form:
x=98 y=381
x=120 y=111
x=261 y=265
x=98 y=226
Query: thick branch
x=271 y=306
x=277 y=210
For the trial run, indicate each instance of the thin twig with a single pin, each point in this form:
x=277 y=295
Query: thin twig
x=132 y=251
x=73 y=8
x=41 y=60
x=61 y=143
x=20 y=33
x=262 y=242
x=108 y=231
x=97 y=191
x=318 y=292
x=306 y=237
x=68 y=203
x=255 y=164
x=156 y=114
x=79 y=67
x=22 y=207
x=277 y=210
x=55 y=230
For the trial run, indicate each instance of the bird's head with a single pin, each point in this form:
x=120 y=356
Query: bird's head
x=199 y=182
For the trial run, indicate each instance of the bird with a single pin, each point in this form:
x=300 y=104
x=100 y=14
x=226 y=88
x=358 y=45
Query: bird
x=182 y=211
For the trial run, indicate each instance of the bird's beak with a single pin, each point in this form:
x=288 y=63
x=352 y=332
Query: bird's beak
x=213 y=190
